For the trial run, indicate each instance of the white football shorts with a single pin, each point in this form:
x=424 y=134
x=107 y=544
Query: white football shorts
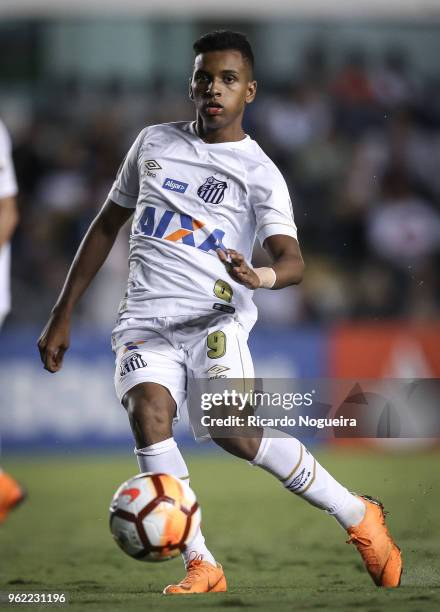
x=171 y=350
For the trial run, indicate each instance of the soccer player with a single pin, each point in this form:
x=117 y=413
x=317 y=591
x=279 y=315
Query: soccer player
x=11 y=493
x=200 y=193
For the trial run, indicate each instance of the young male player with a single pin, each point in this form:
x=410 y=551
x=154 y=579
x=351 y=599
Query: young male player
x=200 y=193
x=11 y=493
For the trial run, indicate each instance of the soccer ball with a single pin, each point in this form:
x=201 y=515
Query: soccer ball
x=154 y=516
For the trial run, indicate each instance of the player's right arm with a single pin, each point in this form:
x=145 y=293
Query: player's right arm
x=92 y=252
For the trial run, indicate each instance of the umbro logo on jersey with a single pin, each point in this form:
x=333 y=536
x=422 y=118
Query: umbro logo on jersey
x=174 y=185
x=151 y=164
x=131 y=363
x=212 y=191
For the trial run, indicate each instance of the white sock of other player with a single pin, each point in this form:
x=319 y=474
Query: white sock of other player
x=166 y=457
x=290 y=461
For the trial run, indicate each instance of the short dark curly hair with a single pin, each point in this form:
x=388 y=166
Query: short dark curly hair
x=222 y=40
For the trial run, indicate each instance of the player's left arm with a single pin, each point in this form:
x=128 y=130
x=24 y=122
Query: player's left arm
x=287 y=261
x=286 y=269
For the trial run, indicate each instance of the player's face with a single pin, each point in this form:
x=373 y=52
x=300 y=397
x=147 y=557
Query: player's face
x=220 y=88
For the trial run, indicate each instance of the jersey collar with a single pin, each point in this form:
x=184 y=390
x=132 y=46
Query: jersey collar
x=219 y=145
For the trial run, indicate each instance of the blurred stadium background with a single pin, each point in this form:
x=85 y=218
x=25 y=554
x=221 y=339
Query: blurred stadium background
x=349 y=108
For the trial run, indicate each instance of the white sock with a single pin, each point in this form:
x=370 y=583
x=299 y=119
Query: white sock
x=166 y=457
x=290 y=461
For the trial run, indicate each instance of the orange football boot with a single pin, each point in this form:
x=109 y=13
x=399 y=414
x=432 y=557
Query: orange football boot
x=380 y=554
x=11 y=494
x=201 y=577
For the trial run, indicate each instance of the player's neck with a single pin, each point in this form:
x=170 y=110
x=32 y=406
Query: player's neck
x=230 y=133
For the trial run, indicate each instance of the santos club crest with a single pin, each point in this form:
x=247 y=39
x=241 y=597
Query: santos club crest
x=212 y=190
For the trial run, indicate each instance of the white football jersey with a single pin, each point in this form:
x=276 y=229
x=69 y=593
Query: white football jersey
x=191 y=198
x=8 y=188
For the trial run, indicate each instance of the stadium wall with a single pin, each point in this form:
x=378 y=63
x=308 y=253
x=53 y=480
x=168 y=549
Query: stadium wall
x=77 y=408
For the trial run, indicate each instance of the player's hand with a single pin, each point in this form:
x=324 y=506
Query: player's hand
x=54 y=342
x=238 y=269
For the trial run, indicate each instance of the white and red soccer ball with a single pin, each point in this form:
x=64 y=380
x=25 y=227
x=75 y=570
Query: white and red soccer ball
x=153 y=517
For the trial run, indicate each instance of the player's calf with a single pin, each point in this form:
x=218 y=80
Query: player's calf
x=150 y=410
x=242 y=447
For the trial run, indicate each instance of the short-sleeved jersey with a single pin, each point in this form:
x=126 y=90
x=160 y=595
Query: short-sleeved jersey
x=8 y=188
x=190 y=199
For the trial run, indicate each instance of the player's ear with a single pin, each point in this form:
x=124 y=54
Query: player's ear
x=191 y=95
x=251 y=91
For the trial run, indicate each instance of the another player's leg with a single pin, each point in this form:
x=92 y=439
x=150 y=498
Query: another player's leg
x=151 y=409
x=11 y=494
x=297 y=469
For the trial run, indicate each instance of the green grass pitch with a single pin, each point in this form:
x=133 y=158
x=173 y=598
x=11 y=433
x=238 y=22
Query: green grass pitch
x=278 y=552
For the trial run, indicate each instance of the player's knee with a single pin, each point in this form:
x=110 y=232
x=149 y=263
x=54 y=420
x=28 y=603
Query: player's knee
x=244 y=448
